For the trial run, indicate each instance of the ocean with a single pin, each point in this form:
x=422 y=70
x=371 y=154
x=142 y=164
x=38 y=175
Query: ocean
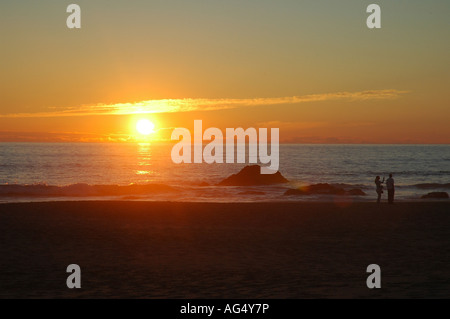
x=127 y=171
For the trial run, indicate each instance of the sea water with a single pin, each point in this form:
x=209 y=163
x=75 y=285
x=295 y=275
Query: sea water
x=55 y=171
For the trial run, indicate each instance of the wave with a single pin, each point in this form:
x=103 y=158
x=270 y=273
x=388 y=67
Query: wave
x=81 y=190
x=432 y=185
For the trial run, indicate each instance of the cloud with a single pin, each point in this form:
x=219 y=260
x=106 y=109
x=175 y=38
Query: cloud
x=6 y=136
x=190 y=105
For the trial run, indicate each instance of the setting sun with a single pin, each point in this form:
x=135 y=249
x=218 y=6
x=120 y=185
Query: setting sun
x=145 y=127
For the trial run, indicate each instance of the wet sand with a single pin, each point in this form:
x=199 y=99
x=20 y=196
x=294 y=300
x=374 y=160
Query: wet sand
x=205 y=250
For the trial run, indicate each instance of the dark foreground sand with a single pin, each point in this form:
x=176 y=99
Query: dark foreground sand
x=195 y=250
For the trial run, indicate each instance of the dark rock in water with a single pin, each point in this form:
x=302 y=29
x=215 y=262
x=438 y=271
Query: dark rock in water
x=251 y=175
x=323 y=189
x=439 y=195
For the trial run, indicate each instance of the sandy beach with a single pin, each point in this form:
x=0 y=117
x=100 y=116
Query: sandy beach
x=207 y=250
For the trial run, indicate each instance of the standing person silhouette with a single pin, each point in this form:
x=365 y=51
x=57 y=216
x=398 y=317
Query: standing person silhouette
x=379 y=188
x=391 y=189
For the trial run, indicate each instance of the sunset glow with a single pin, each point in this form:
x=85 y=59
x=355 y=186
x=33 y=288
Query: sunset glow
x=197 y=150
x=145 y=127
x=239 y=69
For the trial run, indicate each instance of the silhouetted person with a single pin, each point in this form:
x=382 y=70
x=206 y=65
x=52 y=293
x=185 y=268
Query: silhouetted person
x=379 y=188
x=391 y=189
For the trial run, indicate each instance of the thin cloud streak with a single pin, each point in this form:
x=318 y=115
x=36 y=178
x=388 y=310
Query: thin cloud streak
x=190 y=105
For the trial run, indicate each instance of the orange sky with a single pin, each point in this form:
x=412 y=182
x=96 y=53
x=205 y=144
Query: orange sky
x=313 y=70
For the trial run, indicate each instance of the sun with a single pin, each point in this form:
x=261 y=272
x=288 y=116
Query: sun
x=145 y=127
